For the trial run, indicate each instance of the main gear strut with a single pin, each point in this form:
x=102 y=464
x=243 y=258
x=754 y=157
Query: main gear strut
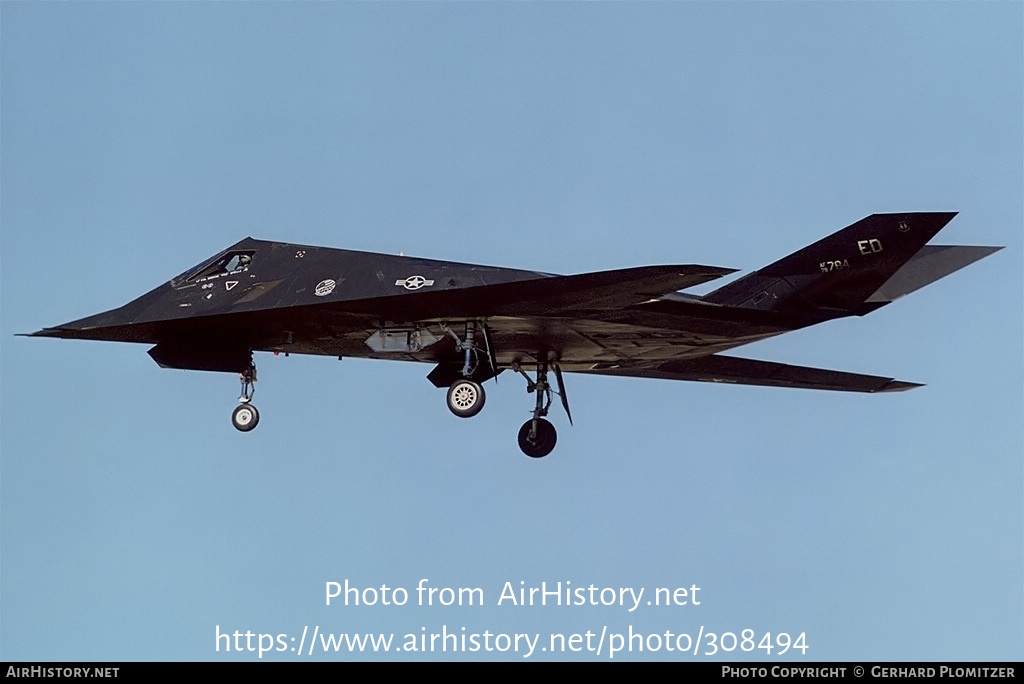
x=537 y=436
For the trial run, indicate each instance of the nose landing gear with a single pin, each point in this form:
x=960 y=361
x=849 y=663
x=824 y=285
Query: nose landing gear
x=245 y=416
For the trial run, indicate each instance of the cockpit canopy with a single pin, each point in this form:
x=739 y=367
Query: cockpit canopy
x=235 y=261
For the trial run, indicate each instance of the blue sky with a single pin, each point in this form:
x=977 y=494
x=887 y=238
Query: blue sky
x=141 y=138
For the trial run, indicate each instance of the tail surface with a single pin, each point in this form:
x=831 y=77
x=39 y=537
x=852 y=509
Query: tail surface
x=853 y=271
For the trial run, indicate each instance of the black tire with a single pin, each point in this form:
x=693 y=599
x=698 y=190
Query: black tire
x=245 y=417
x=541 y=445
x=466 y=398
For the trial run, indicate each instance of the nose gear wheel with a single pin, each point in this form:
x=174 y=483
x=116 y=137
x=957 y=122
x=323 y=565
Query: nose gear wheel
x=245 y=417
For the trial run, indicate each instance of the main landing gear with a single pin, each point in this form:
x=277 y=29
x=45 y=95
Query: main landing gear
x=537 y=436
x=245 y=416
x=466 y=396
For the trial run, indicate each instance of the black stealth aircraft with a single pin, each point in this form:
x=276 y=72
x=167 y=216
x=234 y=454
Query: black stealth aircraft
x=474 y=322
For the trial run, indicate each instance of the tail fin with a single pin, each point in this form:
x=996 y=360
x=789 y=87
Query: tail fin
x=853 y=271
x=927 y=266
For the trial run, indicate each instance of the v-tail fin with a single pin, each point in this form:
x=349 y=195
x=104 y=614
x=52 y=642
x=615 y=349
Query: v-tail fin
x=853 y=271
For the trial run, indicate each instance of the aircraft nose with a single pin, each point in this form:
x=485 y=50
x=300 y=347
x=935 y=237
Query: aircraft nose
x=82 y=327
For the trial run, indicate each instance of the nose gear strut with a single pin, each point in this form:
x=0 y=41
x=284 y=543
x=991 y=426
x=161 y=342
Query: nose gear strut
x=245 y=416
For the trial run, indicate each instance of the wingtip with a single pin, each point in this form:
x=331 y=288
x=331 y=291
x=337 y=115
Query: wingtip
x=898 y=386
x=694 y=269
